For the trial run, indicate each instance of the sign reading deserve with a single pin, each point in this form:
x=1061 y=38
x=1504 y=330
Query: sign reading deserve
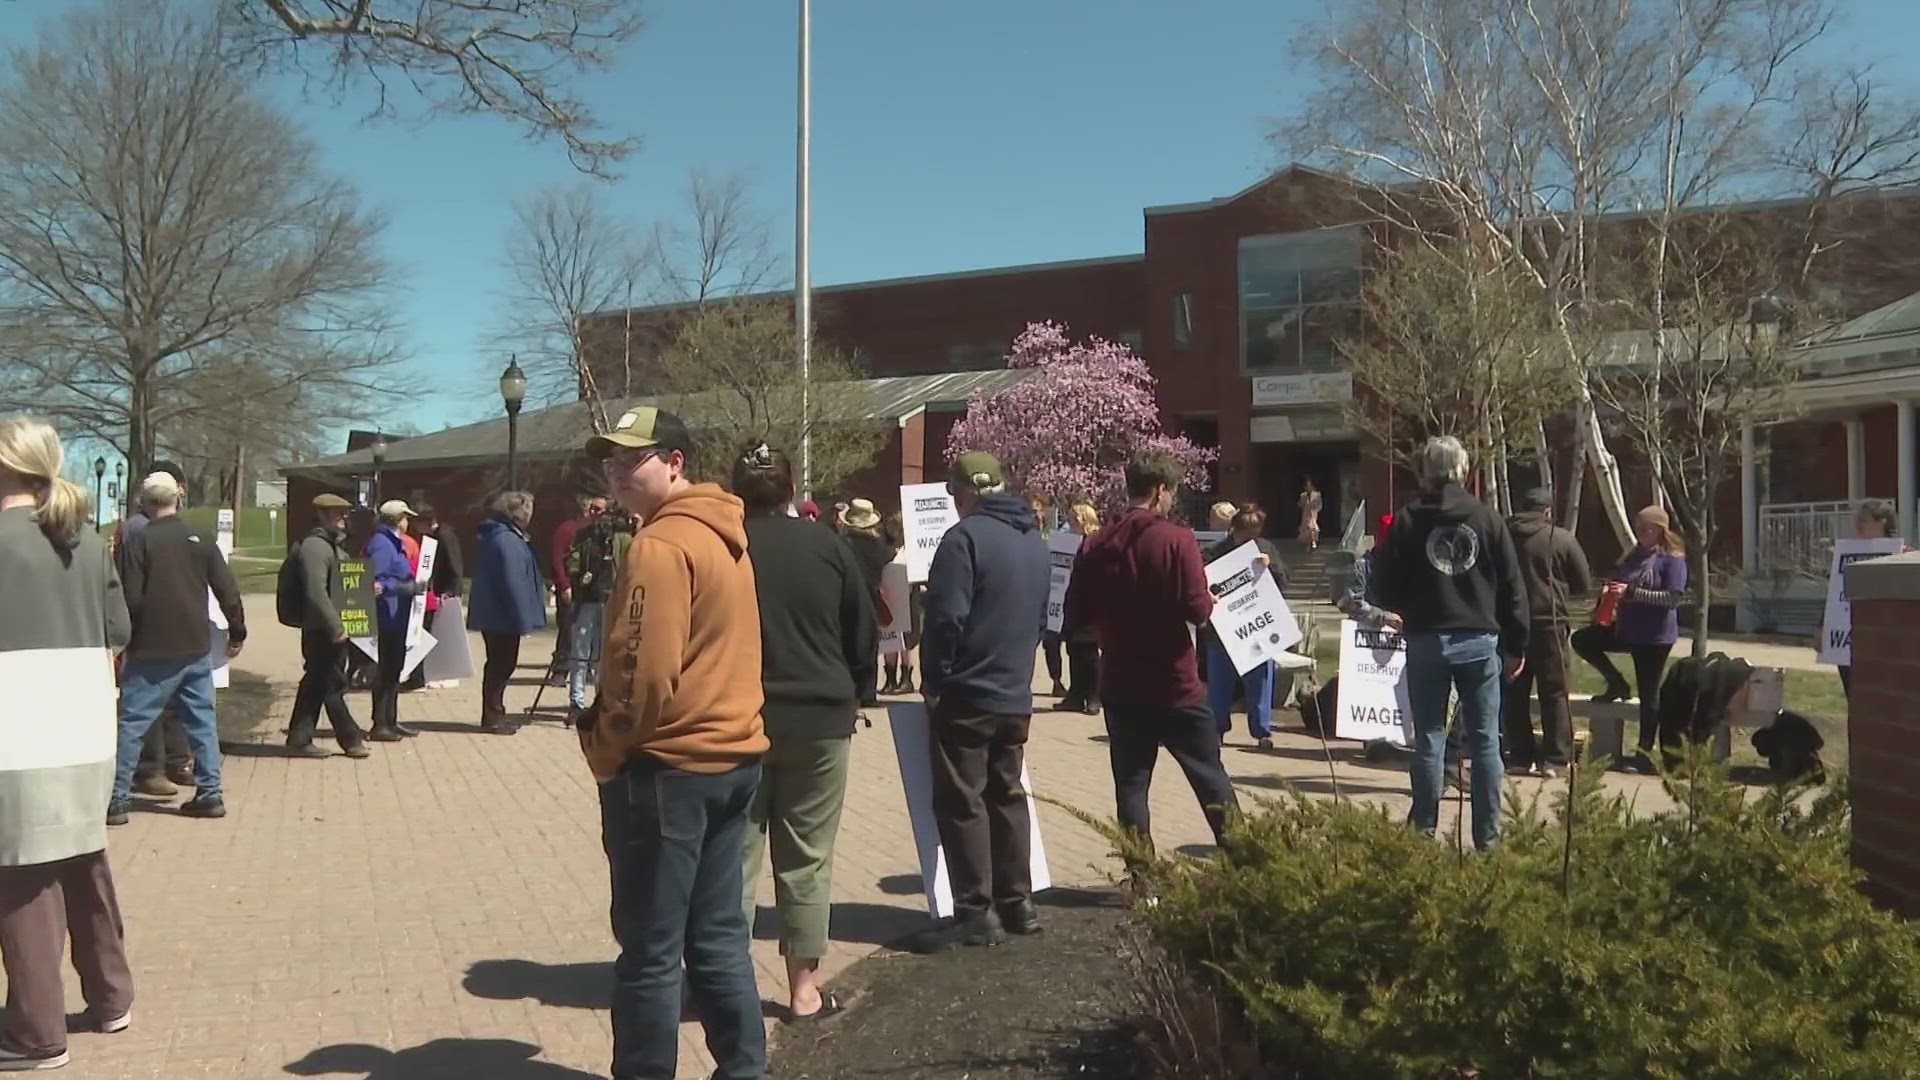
x=1062 y=549
x=927 y=512
x=1249 y=613
x=1373 y=686
x=1836 y=630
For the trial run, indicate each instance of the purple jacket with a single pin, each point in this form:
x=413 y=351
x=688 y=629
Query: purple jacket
x=1649 y=613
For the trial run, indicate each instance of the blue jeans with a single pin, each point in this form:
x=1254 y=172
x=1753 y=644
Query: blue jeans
x=146 y=688
x=1258 y=683
x=674 y=841
x=583 y=652
x=1470 y=663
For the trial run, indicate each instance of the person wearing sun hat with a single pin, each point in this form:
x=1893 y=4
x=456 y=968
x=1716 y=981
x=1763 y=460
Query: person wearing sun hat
x=675 y=740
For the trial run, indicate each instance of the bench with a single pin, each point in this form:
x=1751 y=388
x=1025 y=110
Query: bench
x=1754 y=707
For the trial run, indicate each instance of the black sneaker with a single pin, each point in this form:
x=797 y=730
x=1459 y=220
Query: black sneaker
x=1020 y=917
x=204 y=806
x=971 y=930
x=358 y=751
x=181 y=774
x=1611 y=694
x=117 y=813
x=405 y=730
x=307 y=750
x=385 y=734
x=1059 y=689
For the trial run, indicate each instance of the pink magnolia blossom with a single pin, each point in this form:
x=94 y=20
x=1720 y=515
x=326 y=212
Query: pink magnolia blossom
x=1068 y=431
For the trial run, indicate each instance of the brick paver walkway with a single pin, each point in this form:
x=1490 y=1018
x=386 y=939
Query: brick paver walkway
x=440 y=909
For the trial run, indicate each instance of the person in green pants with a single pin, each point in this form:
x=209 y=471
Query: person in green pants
x=819 y=659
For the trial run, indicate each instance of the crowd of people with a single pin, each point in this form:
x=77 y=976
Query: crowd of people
x=718 y=646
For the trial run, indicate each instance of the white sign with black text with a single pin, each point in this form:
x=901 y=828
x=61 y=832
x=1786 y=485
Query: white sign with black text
x=898 y=594
x=927 y=512
x=417 y=618
x=222 y=539
x=1249 y=613
x=1836 y=630
x=1062 y=549
x=1373 y=686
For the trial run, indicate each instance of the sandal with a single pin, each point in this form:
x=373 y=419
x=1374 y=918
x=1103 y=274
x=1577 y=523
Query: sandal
x=829 y=1006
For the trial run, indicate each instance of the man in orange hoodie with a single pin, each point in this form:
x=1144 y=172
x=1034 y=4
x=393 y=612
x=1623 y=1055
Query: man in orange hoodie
x=675 y=741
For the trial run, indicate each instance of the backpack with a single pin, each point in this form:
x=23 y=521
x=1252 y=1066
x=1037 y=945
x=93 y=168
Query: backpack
x=290 y=592
x=590 y=560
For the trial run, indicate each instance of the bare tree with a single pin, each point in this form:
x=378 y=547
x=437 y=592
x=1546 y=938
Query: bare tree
x=511 y=58
x=171 y=256
x=571 y=255
x=731 y=374
x=720 y=246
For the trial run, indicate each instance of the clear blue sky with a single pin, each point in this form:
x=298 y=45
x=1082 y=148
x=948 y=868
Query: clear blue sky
x=946 y=137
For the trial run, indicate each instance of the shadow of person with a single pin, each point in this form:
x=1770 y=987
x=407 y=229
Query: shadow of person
x=851 y=921
x=441 y=1059
x=561 y=986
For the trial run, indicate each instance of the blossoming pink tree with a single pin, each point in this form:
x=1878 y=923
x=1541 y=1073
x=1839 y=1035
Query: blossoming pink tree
x=1068 y=431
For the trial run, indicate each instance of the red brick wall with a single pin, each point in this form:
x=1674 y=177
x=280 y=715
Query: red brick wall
x=1883 y=750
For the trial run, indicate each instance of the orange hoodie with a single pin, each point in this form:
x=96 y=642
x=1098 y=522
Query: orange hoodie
x=680 y=668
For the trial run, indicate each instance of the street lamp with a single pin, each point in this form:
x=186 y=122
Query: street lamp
x=379 y=459
x=99 y=481
x=513 y=391
x=119 y=470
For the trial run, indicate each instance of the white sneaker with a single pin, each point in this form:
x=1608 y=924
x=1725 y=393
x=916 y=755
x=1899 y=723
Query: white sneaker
x=117 y=1024
x=14 y=1061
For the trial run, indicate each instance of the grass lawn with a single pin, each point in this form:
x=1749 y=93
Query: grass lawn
x=252 y=526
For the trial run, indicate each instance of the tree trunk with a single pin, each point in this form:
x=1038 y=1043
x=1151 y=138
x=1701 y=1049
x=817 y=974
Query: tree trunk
x=139 y=430
x=1697 y=563
x=1576 y=473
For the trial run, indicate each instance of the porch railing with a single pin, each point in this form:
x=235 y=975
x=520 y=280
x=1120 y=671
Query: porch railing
x=1796 y=539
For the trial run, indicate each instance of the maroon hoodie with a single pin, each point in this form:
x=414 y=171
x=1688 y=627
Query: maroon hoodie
x=1139 y=583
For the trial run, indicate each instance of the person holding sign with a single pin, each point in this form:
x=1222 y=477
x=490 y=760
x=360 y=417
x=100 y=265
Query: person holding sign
x=1451 y=573
x=394 y=586
x=320 y=592
x=1646 y=624
x=1140 y=586
x=1245 y=527
x=986 y=605
x=1875 y=522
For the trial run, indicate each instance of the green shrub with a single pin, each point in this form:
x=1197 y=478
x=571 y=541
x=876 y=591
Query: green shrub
x=1725 y=939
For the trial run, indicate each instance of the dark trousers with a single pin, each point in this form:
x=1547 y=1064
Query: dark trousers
x=979 y=805
x=563 y=635
x=1135 y=734
x=386 y=678
x=323 y=685
x=165 y=749
x=503 y=659
x=42 y=907
x=674 y=842
x=1546 y=671
x=1593 y=643
x=1083 y=669
x=1050 y=648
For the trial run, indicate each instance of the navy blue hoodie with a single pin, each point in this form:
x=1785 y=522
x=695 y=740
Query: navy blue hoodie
x=986 y=603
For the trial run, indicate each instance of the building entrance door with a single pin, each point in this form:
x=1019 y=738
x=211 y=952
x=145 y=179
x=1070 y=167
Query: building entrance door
x=1281 y=473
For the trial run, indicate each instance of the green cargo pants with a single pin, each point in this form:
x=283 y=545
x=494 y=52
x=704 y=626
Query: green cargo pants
x=796 y=813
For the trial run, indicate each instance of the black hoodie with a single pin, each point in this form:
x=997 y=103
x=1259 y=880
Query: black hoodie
x=986 y=603
x=1451 y=566
x=1553 y=564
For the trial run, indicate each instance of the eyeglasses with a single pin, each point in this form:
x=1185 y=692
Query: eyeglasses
x=627 y=462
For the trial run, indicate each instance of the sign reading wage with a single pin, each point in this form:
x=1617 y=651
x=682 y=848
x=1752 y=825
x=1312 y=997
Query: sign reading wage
x=1836 y=630
x=1062 y=548
x=1249 y=613
x=927 y=512
x=1373 y=702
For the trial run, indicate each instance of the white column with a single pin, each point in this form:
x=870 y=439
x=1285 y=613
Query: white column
x=1906 y=468
x=1856 y=460
x=1749 y=502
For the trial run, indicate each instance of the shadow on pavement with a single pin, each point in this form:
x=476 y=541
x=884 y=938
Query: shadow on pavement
x=441 y=1059
x=1320 y=785
x=560 y=986
x=1065 y=897
x=855 y=923
x=248 y=710
x=902 y=885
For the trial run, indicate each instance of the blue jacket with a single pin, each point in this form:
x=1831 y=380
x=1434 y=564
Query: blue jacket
x=507 y=596
x=986 y=604
x=393 y=573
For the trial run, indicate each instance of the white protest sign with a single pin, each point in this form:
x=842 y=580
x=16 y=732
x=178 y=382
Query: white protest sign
x=912 y=744
x=1373 y=686
x=451 y=658
x=422 y=574
x=1836 y=630
x=1249 y=614
x=1063 y=548
x=418 y=644
x=223 y=539
x=927 y=512
x=893 y=586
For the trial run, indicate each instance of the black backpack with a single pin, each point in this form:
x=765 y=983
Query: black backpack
x=590 y=568
x=290 y=592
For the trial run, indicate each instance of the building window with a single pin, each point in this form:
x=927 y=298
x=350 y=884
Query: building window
x=1183 y=319
x=1134 y=340
x=1299 y=292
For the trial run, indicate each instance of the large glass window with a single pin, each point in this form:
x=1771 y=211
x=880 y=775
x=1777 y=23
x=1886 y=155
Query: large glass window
x=1298 y=291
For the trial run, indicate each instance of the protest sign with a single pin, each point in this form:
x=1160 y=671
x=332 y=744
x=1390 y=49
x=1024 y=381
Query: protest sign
x=356 y=605
x=1373 y=686
x=1836 y=629
x=1063 y=548
x=422 y=574
x=1249 y=614
x=222 y=539
x=451 y=658
x=898 y=594
x=927 y=512
x=912 y=745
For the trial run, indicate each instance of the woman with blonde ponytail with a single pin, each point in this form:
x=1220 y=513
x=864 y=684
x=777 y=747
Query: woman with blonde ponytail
x=58 y=723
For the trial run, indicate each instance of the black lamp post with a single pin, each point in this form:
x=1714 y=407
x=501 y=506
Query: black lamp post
x=379 y=460
x=99 y=481
x=119 y=485
x=513 y=391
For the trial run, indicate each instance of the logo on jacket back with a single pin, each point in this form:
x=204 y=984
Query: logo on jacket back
x=1453 y=549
